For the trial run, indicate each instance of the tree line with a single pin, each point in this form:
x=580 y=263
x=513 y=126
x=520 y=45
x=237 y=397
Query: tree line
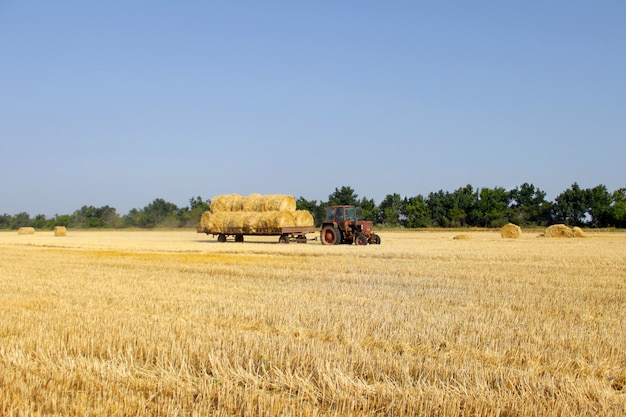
x=524 y=205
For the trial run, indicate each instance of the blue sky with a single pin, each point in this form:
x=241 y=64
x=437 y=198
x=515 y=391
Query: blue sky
x=118 y=103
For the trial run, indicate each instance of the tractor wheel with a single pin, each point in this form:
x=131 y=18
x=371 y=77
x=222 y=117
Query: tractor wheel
x=283 y=239
x=360 y=239
x=330 y=235
x=376 y=239
x=221 y=238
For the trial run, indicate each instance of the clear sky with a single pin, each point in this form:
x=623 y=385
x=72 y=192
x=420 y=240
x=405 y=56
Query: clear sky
x=121 y=102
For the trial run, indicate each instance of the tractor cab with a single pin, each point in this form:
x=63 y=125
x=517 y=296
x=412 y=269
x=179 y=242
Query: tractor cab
x=342 y=225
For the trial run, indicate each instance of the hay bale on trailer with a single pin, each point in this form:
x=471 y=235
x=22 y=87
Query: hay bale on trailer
x=303 y=218
x=26 y=231
x=60 y=231
x=511 y=231
x=559 y=231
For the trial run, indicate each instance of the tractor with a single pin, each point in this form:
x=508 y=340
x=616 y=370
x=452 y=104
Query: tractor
x=342 y=225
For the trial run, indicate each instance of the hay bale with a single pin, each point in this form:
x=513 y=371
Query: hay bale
x=511 y=231
x=223 y=202
x=213 y=222
x=26 y=231
x=303 y=218
x=559 y=231
x=60 y=231
x=253 y=202
x=462 y=236
x=578 y=232
x=251 y=222
x=279 y=202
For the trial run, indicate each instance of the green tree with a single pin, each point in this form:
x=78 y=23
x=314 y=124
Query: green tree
x=160 y=213
x=529 y=206
x=599 y=204
x=21 y=220
x=417 y=212
x=390 y=210
x=618 y=209
x=190 y=216
x=345 y=195
x=572 y=206
x=493 y=206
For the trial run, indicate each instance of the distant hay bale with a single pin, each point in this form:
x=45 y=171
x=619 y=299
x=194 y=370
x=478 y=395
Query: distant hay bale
x=462 y=236
x=26 y=231
x=559 y=231
x=578 y=232
x=60 y=231
x=303 y=218
x=511 y=231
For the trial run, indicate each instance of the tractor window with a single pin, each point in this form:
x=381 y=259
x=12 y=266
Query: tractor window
x=330 y=213
x=339 y=215
x=350 y=213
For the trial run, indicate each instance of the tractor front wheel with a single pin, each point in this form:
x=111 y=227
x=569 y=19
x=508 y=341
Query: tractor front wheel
x=360 y=240
x=330 y=235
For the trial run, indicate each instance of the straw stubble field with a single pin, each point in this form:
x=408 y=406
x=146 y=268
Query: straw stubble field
x=173 y=323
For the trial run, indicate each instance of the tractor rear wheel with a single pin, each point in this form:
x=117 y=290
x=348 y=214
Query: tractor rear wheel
x=330 y=235
x=360 y=240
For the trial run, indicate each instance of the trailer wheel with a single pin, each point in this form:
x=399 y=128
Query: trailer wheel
x=221 y=237
x=283 y=239
x=330 y=235
x=301 y=239
x=239 y=238
x=360 y=240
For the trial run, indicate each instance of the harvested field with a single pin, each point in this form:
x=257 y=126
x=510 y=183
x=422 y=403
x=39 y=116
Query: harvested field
x=173 y=323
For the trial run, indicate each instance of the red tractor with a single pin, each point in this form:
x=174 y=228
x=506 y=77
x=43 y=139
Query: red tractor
x=342 y=225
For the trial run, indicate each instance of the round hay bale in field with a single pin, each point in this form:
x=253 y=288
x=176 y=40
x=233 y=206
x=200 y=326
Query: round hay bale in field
x=60 y=231
x=303 y=218
x=462 y=236
x=559 y=231
x=253 y=202
x=279 y=202
x=26 y=231
x=511 y=231
x=578 y=232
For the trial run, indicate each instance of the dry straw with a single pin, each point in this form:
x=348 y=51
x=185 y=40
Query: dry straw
x=462 y=236
x=578 y=232
x=253 y=203
x=511 y=231
x=60 y=231
x=26 y=231
x=559 y=231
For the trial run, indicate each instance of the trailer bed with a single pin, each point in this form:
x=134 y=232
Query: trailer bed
x=287 y=234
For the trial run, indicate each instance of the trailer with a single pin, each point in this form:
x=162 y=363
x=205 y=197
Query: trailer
x=285 y=234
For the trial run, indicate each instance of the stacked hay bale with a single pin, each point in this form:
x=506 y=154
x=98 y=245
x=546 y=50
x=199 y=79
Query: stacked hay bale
x=253 y=214
x=511 y=231
x=578 y=232
x=60 y=231
x=26 y=231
